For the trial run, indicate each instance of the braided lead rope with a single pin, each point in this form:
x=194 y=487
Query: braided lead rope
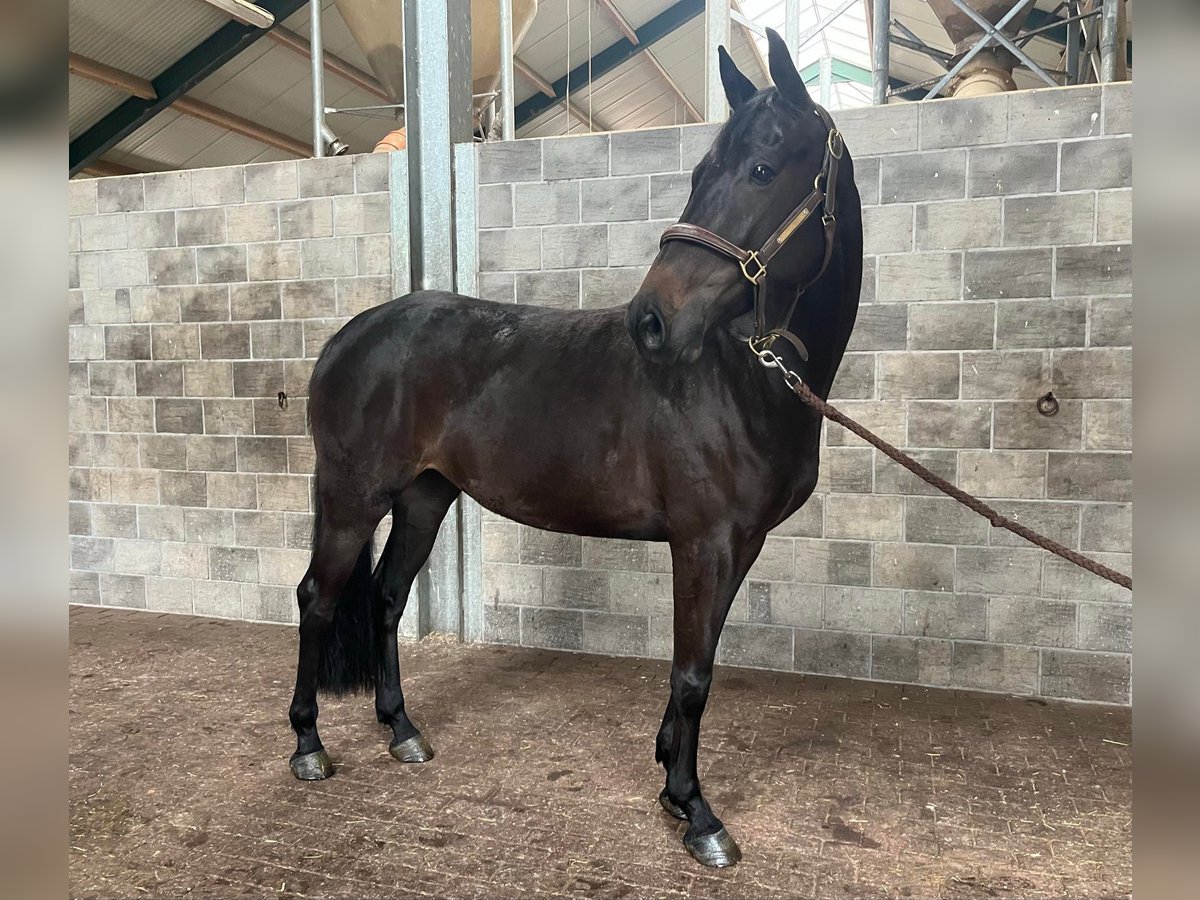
x=770 y=360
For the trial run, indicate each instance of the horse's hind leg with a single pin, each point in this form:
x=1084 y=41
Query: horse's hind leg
x=341 y=549
x=416 y=517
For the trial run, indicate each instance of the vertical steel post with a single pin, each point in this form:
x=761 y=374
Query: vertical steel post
x=1072 y=49
x=881 y=51
x=716 y=34
x=317 y=57
x=1109 y=28
x=507 y=101
x=826 y=80
x=438 y=113
x=791 y=28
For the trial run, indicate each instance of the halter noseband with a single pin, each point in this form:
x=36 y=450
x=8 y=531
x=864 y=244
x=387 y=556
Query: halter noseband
x=753 y=263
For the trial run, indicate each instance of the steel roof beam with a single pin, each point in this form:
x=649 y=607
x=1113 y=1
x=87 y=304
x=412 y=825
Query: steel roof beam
x=113 y=77
x=179 y=78
x=333 y=63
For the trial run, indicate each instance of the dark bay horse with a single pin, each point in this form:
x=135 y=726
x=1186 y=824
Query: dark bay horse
x=650 y=422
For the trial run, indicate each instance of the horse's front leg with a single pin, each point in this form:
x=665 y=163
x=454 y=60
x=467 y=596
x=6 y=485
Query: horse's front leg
x=706 y=577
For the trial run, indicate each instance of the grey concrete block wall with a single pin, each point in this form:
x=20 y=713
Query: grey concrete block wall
x=195 y=298
x=999 y=266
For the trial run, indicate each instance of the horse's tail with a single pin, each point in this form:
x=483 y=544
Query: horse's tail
x=348 y=652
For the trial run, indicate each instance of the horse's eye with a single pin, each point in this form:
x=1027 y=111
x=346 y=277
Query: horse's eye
x=762 y=174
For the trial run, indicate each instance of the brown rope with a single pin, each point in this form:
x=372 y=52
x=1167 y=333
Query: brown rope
x=972 y=503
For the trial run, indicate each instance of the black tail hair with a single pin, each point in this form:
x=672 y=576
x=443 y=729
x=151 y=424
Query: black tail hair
x=348 y=655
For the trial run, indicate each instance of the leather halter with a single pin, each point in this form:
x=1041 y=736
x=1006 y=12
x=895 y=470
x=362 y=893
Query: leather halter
x=753 y=263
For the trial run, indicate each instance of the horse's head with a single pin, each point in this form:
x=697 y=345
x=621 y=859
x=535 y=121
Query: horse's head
x=760 y=168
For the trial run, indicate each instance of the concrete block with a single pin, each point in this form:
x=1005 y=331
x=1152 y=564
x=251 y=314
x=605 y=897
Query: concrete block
x=1049 y=219
x=103 y=232
x=1081 y=675
x=362 y=214
x=317 y=333
x=510 y=249
x=160 y=523
x=1011 y=474
x=188 y=560
x=1041 y=323
x=173 y=595
x=370 y=172
x=634 y=243
x=220 y=600
x=86 y=414
x=949 y=326
x=155 y=304
x=123 y=268
x=864 y=517
x=908 y=277
x=123 y=590
x=114 y=450
x=668 y=194
x=1108 y=425
x=756 y=646
x=780 y=603
x=160 y=379
x=550 y=548
x=807 y=521
x=1111 y=322
x=220 y=264
x=276 y=340
x=616 y=635
x=200 y=226
x=509 y=161
x=913 y=177
x=172 y=266
x=106 y=307
x=92 y=554
x=262 y=454
x=875 y=130
x=119 y=195
x=1019 y=426
x=1114 y=217
x=328 y=257
x=1096 y=164
x=546 y=203
x=127 y=342
x=283 y=567
x=855 y=378
x=576 y=156
x=269 y=603
x=168 y=190
x=918 y=567
x=1058 y=521
x=1099 y=373
x=498 y=286
x=252 y=222
x=887 y=229
x=171 y=342
x=258 y=529
x=183 y=489
x=211 y=453
x=311 y=299
x=1006 y=274
x=617 y=199
x=941 y=520
x=556 y=629
x=79 y=518
x=508 y=584
x=500 y=542
x=833 y=562
x=881 y=327
x=944 y=424
x=1008 y=170
x=1044 y=115
x=1107 y=527
x=150 y=229
x=886 y=419
x=233 y=563
x=574 y=246
x=286 y=492
x=202 y=303
x=909 y=376
x=1106 y=626
x=619 y=555
x=646 y=151
x=1118 y=108
x=131 y=414
x=495 y=208
x=302 y=457
x=1005 y=375
x=374 y=254
x=960 y=616
x=326 y=176
x=1041 y=623
x=219 y=187
x=695 y=141
x=307 y=218
x=81 y=197
x=958 y=224
x=995 y=667
x=1064 y=580
x=612 y=286
x=911 y=660
x=501 y=624
x=1000 y=570
x=860 y=609
x=558 y=289
x=225 y=341
x=1103 y=269
x=776 y=561
x=832 y=653
x=964 y=122
x=848 y=470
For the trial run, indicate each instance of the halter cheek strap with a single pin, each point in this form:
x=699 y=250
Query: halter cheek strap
x=753 y=263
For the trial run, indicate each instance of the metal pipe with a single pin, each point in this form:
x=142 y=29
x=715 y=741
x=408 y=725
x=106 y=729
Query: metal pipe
x=881 y=51
x=826 y=80
x=1072 y=49
x=115 y=78
x=1109 y=29
x=974 y=51
x=716 y=34
x=317 y=55
x=508 y=129
x=791 y=27
x=996 y=33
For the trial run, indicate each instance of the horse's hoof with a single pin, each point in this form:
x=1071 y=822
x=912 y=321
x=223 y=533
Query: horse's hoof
x=669 y=805
x=717 y=850
x=415 y=749
x=311 y=766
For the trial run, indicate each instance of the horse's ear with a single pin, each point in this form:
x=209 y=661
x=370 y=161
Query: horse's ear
x=784 y=74
x=738 y=88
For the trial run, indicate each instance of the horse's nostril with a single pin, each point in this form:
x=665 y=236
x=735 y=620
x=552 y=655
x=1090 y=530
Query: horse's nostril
x=651 y=330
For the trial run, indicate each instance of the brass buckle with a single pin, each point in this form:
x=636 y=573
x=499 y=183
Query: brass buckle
x=753 y=258
x=835 y=144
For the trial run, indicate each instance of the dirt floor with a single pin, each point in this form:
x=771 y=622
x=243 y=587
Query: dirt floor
x=545 y=781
